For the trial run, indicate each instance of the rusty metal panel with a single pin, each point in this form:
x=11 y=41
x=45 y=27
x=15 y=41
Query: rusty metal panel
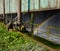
x=1 y=6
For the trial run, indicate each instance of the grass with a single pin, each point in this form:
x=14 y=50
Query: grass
x=14 y=41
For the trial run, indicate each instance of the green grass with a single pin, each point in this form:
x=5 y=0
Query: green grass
x=14 y=41
x=10 y=41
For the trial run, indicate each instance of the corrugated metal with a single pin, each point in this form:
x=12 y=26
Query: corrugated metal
x=10 y=6
x=29 y=5
x=44 y=4
x=1 y=6
x=24 y=4
x=53 y=3
x=38 y=5
x=58 y=3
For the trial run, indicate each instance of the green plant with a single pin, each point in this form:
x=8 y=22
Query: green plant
x=14 y=41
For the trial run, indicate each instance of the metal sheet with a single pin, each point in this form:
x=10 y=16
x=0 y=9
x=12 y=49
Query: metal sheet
x=24 y=4
x=1 y=6
x=44 y=4
x=36 y=4
x=41 y=5
x=22 y=7
x=7 y=6
x=13 y=7
x=10 y=6
x=29 y=5
x=53 y=3
x=32 y=4
x=48 y=4
x=58 y=3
